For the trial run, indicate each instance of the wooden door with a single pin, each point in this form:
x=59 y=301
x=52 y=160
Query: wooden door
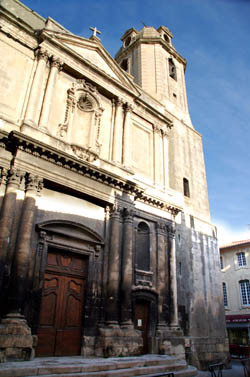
x=60 y=326
x=142 y=322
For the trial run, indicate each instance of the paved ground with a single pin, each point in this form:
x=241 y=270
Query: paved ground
x=236 y=371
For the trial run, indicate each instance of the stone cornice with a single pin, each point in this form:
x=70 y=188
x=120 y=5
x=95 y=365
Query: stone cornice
x=18 y=141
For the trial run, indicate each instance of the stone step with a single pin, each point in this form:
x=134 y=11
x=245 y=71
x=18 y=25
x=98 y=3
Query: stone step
x=147 y=365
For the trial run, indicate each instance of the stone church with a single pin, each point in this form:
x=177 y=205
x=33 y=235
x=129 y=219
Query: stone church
x=106 y=244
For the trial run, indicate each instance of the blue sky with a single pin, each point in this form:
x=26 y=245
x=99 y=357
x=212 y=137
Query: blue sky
x=213 y=35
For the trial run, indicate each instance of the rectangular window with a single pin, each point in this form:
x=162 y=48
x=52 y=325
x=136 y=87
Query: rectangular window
x=241 y=259
x=186 y=187
x=245 y=292
x=224 y=287
x=221 y=263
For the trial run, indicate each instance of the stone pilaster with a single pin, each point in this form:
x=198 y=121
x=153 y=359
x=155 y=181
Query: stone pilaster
x=127 y=269
x=16 y=341
x=157 y=155
x=13 y=178
x=35 y=98
x=126 y=155
x=55 y=67
x=117 y=138
x=165 y=157
x=113 y=269
x=174 y=322
x=162 y=274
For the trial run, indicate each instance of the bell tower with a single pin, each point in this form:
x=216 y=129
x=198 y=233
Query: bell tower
x=150 y=57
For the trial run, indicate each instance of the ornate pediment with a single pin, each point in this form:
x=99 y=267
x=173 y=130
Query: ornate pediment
x=92 y=52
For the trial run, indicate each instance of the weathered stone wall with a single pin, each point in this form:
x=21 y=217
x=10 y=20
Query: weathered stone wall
x=200 y=296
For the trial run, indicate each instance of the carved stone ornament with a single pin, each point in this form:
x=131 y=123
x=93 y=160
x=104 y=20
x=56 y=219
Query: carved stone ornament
x=82 y=121
x=84 y=153
x=85 y=103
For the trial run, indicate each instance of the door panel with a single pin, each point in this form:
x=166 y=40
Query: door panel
x=141 y=322
x=60 y=327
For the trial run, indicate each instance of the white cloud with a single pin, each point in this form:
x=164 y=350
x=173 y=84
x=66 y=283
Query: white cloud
x=226 y=234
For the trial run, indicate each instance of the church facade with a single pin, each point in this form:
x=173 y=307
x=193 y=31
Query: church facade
x=106 y=244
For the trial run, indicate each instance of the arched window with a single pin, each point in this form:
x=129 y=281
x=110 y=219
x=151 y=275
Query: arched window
x=172 y=69
x=124 y=65
x=245 y=292
x=142 y=247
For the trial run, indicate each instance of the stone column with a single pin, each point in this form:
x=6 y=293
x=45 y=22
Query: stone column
x=126 y=155
x=127 y=270
x=56 y=66
x=23 y=244
x=117 y=139
x=157 y=155
x=35 y=98
x=16 y=341
x=113 y=269
x=174 y=322
x=7 y=215
x=162 y=281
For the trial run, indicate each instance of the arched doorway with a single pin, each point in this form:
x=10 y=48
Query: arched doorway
x=67 y=268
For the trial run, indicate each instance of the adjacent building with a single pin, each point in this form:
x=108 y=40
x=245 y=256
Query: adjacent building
x=235 y=268
x=106 y=244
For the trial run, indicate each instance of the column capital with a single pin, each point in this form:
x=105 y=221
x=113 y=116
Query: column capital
x=171 y=231
x=56 y=62
x=119 y=101
x=33 y=183
x=157 y=129
x=161 y=228
x=165 y=131
x=128 y=214
x=128 y=107
x=42 y=54
x=3 y=177
x=15 y=176
x=115 y=211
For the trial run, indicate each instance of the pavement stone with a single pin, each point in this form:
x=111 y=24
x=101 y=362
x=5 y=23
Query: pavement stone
x=236 y=371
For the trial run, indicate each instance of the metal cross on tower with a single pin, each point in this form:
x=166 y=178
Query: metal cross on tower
x=95 y=31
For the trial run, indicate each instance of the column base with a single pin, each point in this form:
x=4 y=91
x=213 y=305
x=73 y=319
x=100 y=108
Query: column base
x=16 y=341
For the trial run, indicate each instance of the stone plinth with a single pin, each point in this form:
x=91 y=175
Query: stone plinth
x=16 y=341
x=118 y=342
x=171 y=342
